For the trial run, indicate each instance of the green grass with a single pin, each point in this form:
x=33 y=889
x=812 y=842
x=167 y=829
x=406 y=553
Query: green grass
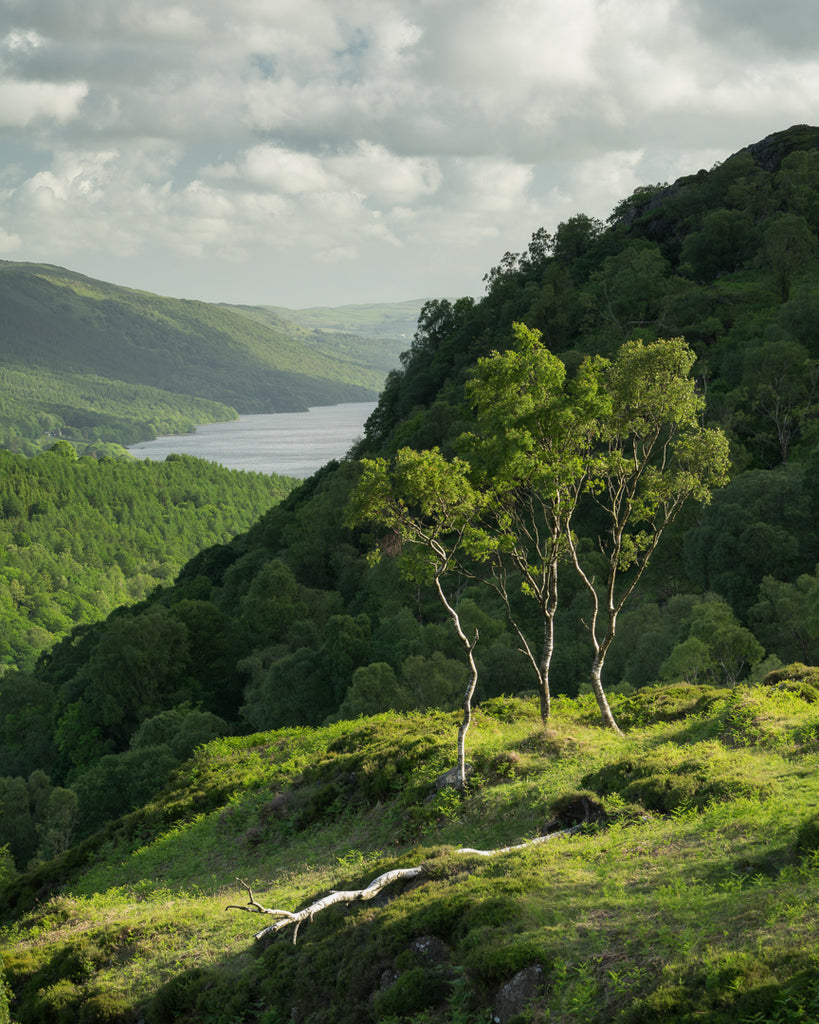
x=690 y=894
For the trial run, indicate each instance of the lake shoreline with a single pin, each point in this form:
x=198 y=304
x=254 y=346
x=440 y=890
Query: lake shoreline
x=293 y=444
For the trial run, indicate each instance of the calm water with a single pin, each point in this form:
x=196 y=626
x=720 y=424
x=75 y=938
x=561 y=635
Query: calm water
x=290 y=443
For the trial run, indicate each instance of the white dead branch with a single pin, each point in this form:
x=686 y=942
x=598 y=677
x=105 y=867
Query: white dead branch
x=522 y=846
x=287 y=917
x=343 y=896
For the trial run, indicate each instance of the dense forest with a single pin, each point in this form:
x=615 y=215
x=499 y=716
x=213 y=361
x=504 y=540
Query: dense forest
x=93 y=362
x=289 y=624
x=83 y=536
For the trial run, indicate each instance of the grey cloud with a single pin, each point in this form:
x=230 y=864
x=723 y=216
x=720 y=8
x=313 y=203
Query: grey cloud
x=759 y=26
x=415 y=140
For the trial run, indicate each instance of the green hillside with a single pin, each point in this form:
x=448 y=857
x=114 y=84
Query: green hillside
x=681 y=884
x=316 y=646
x=382 y=319
x=97 y=361
x=373 y=334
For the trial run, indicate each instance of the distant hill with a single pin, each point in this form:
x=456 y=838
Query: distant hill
x=96 y=361
x=381 y=319
x=373 y=334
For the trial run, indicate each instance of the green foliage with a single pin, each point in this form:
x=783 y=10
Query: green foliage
x=82 y=537
x=428 y=503
x=796 y=678
x=726 y=240
x=415 y=990
x=786 y=617
x=672 y=779
x=282 y=624
x=373 y=688
x=761 y=525
x=688 y=895
x=666 y=703
x=715 y=647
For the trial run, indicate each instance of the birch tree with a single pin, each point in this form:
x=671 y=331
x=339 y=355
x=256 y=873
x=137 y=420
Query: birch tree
x=530 y=450
x=432 y=513
x=652 y=455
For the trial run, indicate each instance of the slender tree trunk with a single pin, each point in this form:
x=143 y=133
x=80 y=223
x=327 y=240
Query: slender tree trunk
x=545 y=666
x=469 y=646
x=600 y=648
x=600 y=693
x=467 y=719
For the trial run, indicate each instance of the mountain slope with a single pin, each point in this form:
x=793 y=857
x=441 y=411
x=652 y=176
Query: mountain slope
x=373 y=334
x=87 y=332
x=691 y=898
x=81 y=537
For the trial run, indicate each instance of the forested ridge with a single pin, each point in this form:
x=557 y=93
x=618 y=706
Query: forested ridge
x=292 y=625
x=83 y=536
x=94 y=362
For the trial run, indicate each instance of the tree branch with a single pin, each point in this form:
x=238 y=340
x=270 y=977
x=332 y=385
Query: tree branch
x=370 y=891
x=522 y=846
x=342 y=896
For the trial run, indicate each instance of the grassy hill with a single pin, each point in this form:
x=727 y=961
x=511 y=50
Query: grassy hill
x=688 y=893
x=374 y=334
x=116 y=364
x=382 y=319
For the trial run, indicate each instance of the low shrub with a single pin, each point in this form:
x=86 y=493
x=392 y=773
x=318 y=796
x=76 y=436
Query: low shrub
x=418 y=989
x=668 y=703
x=796 y=678
x=672 y=778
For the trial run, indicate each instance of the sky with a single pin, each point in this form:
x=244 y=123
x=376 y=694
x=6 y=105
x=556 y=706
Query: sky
x=324 y=152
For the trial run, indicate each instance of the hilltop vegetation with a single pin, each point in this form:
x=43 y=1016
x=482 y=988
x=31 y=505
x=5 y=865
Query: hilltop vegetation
x=709 y=832
x=688 y=894
x=90 y=361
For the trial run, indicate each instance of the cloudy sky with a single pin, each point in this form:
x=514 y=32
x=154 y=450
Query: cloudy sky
x=319 y=152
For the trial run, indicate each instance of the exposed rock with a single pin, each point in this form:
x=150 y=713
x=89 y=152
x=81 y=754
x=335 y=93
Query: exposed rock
x=451 y=779
x=431 y=949
x=517 y=994
x=388 y=977
x=772 y=150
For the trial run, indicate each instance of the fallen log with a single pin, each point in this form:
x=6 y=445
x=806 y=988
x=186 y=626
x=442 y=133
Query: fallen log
x=336 y=896
x=522 y=846
x=287 y=917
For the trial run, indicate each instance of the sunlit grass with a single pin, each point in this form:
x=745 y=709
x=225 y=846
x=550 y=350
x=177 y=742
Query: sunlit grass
x=664 y=906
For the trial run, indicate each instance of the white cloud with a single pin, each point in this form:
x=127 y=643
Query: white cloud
x=281 y=170
x=21 y=102
x=493 y=186
x=229 y=145
x=9 y=243
x=22 y=41
x=374 y=171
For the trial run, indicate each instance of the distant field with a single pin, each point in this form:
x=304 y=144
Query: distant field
x=386 y=319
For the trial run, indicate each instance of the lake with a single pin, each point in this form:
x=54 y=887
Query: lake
x=290 y=443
